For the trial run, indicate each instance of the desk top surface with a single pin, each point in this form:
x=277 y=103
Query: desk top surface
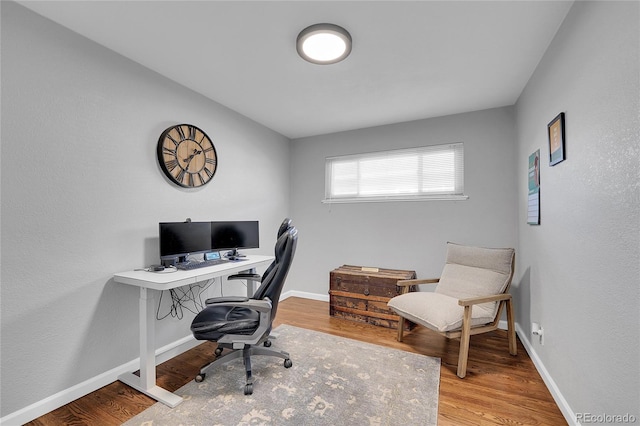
x=168 y=280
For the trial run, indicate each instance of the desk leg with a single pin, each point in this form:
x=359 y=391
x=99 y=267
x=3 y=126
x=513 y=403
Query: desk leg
x=146 y=383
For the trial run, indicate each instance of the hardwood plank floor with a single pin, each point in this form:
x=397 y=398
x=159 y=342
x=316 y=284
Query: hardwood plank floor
x=498 y=389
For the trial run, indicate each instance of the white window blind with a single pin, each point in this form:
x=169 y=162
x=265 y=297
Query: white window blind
x=430 y=172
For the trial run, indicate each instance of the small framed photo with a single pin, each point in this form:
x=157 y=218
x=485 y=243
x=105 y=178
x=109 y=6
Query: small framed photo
x=555 y=131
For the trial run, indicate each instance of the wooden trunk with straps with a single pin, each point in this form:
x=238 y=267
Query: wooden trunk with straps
x=361 y=294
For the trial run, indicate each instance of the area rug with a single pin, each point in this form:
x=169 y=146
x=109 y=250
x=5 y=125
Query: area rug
x=333 y=381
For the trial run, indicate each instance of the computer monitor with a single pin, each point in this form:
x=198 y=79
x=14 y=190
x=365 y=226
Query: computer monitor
x=235 y=235
x=180 y=239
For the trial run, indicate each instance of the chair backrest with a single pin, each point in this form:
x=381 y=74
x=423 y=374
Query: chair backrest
x=284 y=226
x=476 y=271
x=273 y=282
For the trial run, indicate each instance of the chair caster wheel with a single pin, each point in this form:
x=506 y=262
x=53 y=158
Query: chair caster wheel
x=287 y=363
x=267 y=343
x=218 y=352
x=248 y=389
x=200 y=377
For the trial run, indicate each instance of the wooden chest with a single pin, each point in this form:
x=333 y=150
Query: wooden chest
x=361 y=294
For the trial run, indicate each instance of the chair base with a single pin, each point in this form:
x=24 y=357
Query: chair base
x=246 y=353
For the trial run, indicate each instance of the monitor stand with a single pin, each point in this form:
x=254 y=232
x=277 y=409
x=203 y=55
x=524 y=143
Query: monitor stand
x=234 y=254
x=171 y=261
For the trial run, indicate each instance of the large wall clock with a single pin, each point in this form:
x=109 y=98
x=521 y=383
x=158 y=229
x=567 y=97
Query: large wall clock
x=187 y=156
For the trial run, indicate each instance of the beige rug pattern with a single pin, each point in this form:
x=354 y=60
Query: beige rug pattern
x=333 y=381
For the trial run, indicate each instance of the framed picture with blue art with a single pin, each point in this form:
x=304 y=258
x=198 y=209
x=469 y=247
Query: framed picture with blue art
x=555 y=131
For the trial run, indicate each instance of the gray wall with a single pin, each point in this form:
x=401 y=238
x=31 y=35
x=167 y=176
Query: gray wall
x=578 y=272
x=82 y=196
x=79 y=129
x=404 y=235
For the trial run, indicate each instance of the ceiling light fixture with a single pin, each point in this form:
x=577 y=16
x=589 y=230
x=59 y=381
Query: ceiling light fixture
x=324 y=44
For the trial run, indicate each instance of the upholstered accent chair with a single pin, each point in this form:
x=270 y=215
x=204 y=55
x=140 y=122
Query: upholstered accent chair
x=469 y=298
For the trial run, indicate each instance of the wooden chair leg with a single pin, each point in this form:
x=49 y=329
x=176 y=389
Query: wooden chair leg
x=400 y=328
x=513 y=345
x=464 y=342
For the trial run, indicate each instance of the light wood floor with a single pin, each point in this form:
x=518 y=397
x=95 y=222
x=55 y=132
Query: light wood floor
x=498 y=389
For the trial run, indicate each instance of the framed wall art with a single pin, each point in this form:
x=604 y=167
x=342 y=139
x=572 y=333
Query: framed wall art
x=533 y=200
x=555 y=131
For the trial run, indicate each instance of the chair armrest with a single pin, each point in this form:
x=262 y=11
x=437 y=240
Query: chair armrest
x=216 y=300
x=263 y=305
x=245 y=276
x=238 y=341
x=402 y=283
x=409 y=285
x=260 y=305
x=484 y=299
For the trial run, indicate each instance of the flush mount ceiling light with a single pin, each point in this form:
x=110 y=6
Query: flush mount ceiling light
x=324 y=44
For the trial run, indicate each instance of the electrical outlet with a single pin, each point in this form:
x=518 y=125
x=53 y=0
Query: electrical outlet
x=537 y=330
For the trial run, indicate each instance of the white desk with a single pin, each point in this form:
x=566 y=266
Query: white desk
x=151 y=284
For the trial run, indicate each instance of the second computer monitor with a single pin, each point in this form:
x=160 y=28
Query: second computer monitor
x=234 y=235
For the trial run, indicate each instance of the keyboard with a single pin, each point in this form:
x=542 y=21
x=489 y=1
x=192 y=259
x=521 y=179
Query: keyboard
x=188 y=266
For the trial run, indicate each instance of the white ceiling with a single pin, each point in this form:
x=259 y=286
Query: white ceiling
x=410 y=59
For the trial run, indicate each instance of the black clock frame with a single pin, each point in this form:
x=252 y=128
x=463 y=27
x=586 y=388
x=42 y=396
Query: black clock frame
x=183 y=137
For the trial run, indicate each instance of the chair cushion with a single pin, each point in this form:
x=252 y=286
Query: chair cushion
x=475 y=272
x=436 y=311
x=215 y=321
x=495 y=259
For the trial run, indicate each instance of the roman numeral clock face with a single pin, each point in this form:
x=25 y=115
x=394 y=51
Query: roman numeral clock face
x=187 y=156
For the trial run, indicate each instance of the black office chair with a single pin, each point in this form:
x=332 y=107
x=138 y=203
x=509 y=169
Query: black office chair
x=284 y=226
x=243 y=324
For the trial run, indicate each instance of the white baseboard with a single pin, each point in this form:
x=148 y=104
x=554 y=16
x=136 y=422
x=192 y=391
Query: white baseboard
x=305 y=295
x=66 y=396
x=566 y=410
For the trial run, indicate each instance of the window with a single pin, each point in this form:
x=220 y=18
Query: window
x=430 y=172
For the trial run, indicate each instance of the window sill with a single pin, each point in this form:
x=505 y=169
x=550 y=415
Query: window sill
x=392 y=199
